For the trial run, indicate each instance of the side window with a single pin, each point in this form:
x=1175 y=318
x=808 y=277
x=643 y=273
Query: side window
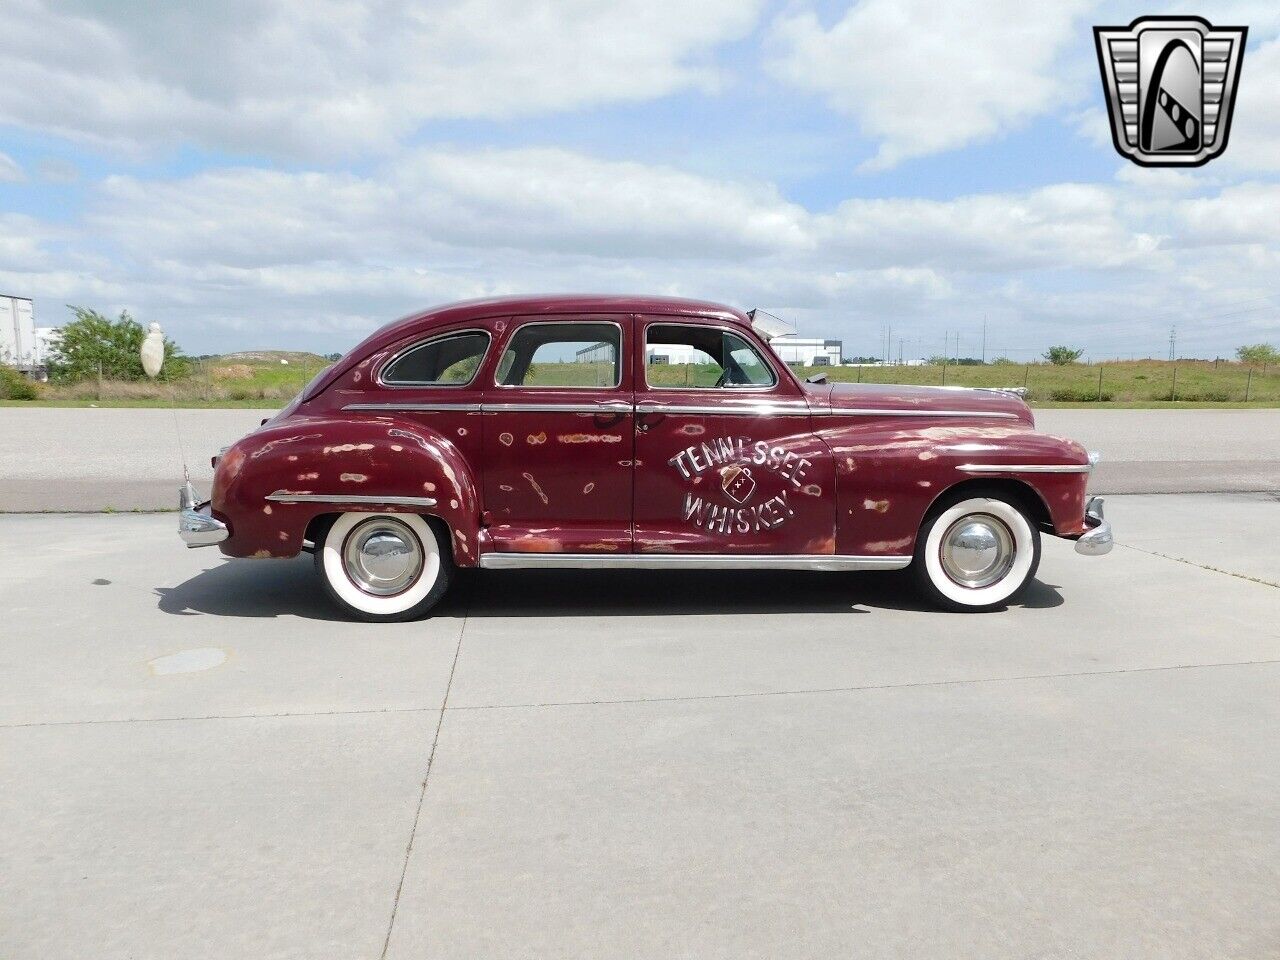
x=451 y=360
x=562 y=355
x=680 y=357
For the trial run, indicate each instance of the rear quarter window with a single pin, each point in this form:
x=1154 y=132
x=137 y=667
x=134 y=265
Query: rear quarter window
x=451 y=360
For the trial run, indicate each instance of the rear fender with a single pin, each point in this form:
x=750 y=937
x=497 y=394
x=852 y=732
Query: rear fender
x=338 y=456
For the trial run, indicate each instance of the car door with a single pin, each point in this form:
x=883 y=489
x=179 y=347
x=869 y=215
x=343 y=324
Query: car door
x=558 y=436
x=726 y=458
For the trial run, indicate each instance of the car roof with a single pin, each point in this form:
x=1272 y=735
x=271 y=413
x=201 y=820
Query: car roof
x=523 y=306
x=569 y=303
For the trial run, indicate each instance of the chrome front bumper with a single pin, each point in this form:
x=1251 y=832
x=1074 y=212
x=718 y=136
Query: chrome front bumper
x=196 y=525
x=1097 y=540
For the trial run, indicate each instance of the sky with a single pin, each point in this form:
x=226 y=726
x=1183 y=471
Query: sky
x=292 y=175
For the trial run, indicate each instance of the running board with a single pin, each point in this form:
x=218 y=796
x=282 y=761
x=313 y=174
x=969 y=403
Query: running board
x=687 y=561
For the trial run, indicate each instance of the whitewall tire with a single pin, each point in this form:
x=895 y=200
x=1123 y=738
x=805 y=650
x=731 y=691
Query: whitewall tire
x=977 y=553
x=383 y=567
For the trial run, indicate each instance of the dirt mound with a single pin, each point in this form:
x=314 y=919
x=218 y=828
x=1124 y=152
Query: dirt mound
x=234 y=371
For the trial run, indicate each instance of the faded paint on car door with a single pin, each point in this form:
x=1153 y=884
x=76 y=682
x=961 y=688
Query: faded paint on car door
x=728 y=469
x=558 y=437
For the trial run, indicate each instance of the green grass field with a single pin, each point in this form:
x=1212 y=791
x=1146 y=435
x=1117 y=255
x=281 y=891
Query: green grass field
x=1123 y=383
x=260 y=380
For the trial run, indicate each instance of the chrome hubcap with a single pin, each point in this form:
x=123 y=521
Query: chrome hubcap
x=382 y=556
x=977 y=551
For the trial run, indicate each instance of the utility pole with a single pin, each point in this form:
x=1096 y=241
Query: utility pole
x=899 y=351
x=984 y=339
x=1173 y=341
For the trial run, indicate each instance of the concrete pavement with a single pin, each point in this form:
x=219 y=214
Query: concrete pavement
x=96 y=459
x=197 y=758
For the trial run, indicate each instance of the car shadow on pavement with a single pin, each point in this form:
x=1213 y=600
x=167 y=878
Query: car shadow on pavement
x=630 y=593
x=251 y=588
x=276 y=588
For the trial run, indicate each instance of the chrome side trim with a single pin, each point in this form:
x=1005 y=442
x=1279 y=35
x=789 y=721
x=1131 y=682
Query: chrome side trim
x=196 y=524
x=284 y=496
x=1025 y=467
x=688 y=561
x=892 y=412
x=756 y=410
x=649 y=407
x=1098 y=540
x=604 y=406
x=428 y=407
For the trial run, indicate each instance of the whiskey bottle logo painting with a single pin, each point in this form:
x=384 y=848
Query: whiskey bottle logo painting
x=1170 y=84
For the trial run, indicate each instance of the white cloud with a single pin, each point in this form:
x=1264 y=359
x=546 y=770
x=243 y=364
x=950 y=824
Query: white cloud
x=235 y=257
x=1066 y=225
x=1254 y=142
x=550 y=202
x=10 y=172
x=337 y=78
x=922 y=77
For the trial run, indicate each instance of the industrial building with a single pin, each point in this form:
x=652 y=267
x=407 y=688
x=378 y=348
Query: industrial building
x=808 y=352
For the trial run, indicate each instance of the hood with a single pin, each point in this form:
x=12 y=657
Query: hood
x=888 y=396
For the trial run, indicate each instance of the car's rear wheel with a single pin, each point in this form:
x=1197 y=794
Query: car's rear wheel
x=383 y=567
x=976 y=553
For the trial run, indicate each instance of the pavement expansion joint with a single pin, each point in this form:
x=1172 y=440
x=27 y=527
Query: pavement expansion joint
x=422 y=794
x=1202 y=566
x=856 y=689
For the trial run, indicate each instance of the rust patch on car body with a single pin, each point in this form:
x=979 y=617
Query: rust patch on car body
x=888 y=546
x=588 y=438
x=536 y=489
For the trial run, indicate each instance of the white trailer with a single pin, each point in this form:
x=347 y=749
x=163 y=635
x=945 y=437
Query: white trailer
x=17 y=333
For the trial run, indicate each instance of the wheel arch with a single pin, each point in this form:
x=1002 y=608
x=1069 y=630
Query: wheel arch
x=319 y=525
x=1019 y=491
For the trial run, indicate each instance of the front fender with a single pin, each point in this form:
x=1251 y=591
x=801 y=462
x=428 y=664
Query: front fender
x=336 y=456
x=889 y=475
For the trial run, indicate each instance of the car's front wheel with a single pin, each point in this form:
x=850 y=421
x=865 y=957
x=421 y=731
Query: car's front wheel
x=976 y=553
x=383 y=567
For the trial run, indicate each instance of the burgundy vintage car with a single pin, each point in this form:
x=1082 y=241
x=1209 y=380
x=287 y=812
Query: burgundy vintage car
x=637 y=432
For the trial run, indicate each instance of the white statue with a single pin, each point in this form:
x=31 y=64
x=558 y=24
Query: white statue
x=153 y=351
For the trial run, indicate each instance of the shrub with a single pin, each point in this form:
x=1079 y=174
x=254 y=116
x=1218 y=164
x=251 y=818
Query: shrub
x=1077 y=395
x=1195 y=396
x=1258 y=354
x=1061 y=356
x=14 y=386
x=92 y=345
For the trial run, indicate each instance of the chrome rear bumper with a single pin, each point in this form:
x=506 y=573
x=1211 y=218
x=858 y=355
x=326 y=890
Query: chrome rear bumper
x=1097 y=540
x=196 y=524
